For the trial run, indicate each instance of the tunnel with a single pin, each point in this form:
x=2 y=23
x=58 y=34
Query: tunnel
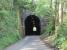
x=32 y=25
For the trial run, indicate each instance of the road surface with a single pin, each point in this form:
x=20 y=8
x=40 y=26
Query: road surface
x=29 y=43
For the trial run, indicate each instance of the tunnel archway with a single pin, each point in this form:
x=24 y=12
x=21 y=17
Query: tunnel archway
x=30 y=22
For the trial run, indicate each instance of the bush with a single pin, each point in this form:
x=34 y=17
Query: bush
x=61 y=40
x=9 y=32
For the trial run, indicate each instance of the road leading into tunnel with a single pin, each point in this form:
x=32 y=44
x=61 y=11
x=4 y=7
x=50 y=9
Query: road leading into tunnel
x=29 y=43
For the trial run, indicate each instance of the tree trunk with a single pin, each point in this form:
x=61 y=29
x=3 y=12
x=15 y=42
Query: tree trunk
x=61 y=13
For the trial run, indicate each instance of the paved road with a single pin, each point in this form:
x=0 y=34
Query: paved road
x=29 y=43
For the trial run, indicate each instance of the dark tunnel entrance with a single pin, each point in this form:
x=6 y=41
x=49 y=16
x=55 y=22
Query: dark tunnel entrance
x=32 y=25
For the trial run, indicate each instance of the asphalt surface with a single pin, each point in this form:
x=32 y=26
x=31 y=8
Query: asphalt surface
x=29 y=43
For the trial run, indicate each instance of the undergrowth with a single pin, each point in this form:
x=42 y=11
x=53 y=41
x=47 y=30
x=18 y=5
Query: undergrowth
x=9 y=32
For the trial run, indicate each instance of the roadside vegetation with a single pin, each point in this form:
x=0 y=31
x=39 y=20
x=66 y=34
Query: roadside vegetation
x=54 y=10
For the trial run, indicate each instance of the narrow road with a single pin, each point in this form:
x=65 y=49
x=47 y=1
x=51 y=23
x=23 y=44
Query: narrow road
x=29 y=43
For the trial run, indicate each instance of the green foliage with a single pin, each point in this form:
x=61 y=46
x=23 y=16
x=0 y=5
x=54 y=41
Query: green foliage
x=64 y=45
x=43 y=8
x=24 y=4
x=61 y=39
x=9 y=32
x=8 y=28
x=6 y=4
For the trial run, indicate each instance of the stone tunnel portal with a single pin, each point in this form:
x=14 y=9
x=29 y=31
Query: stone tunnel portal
x=32 y=25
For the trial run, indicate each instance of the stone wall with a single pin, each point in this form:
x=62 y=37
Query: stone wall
x=26 y=13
